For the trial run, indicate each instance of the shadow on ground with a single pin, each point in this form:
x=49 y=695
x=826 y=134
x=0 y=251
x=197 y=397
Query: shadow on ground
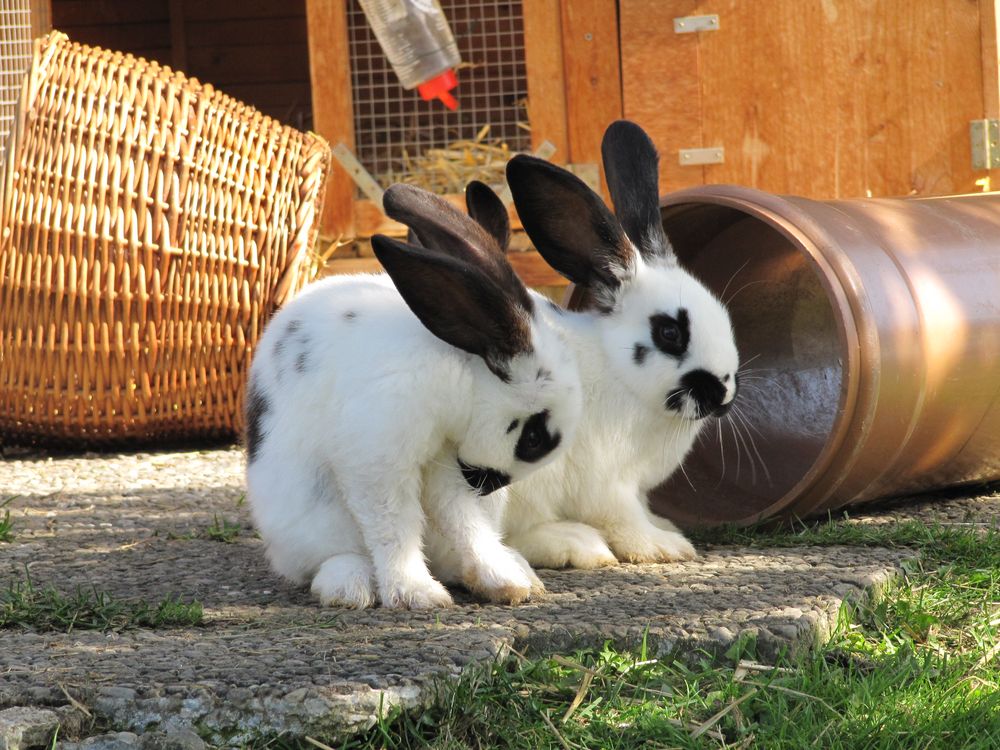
x=268 y=659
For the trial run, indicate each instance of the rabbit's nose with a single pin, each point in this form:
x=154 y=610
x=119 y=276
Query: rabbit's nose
x=722 y=409
x=705 y=389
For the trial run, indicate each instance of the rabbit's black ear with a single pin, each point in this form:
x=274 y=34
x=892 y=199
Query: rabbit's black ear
x=458 y=302
x=569 y=224
x=412 y=239
x=439 y=225
x=489 y=211
x=631 y=167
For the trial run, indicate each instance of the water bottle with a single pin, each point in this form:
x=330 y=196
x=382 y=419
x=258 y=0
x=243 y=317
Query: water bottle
x=415 y=36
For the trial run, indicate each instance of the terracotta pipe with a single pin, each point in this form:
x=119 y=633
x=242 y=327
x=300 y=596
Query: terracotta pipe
x=871 y=333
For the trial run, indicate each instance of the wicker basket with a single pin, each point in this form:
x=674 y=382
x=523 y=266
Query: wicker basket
x=149 y=225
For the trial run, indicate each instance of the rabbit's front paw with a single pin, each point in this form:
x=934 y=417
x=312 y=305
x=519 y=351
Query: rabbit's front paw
x=416 y=593
x=537 y=587
x=345 y=581
x=502 y=579
x=652 y=545
x=564 y=544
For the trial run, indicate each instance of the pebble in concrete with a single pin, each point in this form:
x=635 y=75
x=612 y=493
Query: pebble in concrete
x=24 y=727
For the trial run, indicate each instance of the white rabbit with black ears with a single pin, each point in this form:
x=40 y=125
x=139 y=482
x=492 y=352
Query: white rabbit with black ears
x=656 y=353
x=379 y=404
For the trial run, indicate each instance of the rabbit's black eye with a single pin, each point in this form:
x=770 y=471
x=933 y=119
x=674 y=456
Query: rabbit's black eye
x=532 y=438
x=669 y=334
x=535 y=441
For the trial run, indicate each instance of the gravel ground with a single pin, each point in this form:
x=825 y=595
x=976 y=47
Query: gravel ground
x=267 y=659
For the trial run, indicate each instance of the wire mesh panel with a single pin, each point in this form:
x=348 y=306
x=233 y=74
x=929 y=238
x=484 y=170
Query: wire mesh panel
x=15 y=56
x=393 y=126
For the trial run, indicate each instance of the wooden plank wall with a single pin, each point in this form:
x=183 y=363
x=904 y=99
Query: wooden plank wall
x=333 y=106
x=593 y=76
x=661 y=84
x=41 y=17
x=543 y=58
x=255 y=50
x=989 y=11
x=825 y=99
x=141 y=27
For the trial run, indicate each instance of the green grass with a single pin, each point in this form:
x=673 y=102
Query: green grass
x=916 y=669
x=222 y=531
x=6 y=525
x=24 y=605
x=839 y=531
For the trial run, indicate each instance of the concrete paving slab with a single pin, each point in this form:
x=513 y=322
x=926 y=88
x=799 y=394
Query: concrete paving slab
x=268 y=659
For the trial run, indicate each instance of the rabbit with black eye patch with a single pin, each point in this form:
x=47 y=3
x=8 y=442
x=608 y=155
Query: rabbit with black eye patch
x=386 y=409
x=657 y=359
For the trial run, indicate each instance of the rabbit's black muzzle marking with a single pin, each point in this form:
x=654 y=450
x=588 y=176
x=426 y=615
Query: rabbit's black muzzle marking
x=705 y=390
x=483 y=481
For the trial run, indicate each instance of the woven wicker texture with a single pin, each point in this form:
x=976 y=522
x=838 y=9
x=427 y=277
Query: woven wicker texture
x=150 y=225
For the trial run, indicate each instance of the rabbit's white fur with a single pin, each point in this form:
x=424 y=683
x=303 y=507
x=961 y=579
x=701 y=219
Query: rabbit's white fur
x=589 y=507
x=357 y=417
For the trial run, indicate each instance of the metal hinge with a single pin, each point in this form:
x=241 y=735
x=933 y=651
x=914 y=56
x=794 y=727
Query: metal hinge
x=691 y=24
x=693 y=157
x=985 y=138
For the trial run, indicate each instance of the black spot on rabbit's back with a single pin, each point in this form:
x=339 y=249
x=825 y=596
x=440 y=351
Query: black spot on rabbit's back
x=350 y=316
x=290 y=329
x=256 y=409
x=301 y=362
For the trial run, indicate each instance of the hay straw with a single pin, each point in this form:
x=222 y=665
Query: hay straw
x=450 y=169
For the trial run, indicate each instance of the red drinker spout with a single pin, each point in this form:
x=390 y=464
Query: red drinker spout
x=440 y=87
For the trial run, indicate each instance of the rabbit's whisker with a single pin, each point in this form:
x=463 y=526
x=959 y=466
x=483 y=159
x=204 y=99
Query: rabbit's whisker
x=722 y=294
x=746 y=447
x=746 y=417
x=745 y=286
x=681 y=467
x=736 y=447
x=750 y=428
x=722 y=451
